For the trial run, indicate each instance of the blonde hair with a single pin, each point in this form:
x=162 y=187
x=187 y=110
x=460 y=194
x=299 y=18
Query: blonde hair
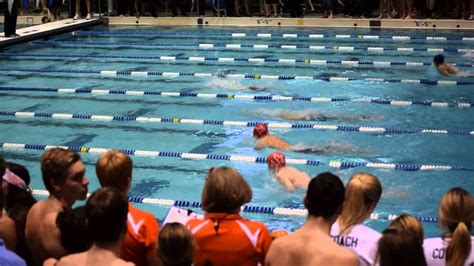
x=456 y=216
x=225 y=191
x=113 y=169
x=362 y=191
x=410 y=224
x=176 y=245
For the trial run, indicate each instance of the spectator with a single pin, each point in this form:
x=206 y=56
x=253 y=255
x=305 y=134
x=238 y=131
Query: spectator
x=408 y=223
x=312 y=244
x=456 y=215
x=106 y=214
x=78 y=9
x=10 y=15
x=224 y=237
x=7 y=257
x=289 y=177
x=399 y=247
x=18 y=200
x=362 y=195
x=176 y=245
x=114 y=169
x=64 y=177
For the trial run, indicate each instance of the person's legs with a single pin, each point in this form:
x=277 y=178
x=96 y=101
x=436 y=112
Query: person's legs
x=237 y=7
x=409 y=9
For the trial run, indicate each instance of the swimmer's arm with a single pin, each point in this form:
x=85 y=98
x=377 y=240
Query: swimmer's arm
x=259 y=145
x=286 y=182
x=452 y=71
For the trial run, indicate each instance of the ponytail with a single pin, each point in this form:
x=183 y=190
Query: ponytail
x=459 y=247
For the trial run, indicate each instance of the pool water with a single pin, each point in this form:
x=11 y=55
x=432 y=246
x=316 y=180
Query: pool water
x=414 y=192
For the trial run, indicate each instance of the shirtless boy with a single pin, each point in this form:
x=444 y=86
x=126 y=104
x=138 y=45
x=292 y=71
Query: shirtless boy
x=289 y=177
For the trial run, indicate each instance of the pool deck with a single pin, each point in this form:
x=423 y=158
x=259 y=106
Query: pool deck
x=44 y=30
x=37 y=30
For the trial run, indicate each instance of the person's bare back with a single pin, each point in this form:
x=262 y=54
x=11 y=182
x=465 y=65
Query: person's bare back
x=273 y=142
x=93 y=257
x=292 y=178
x=42 y=233
x=308 y=246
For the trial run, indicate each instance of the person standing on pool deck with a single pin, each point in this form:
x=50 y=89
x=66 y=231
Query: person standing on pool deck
x=444 y=68
x=289 y=177
x=10 y=16
x=363 y=192
x=140 y=245
x=455 y=215
x=312 y=244
x=64 y=176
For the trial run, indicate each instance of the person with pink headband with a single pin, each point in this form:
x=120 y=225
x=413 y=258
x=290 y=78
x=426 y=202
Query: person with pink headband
x=289 y=177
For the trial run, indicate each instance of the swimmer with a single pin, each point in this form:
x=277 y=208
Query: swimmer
x=231 y=83
x=289 y=177
x=265 y=139
x=444 y=68
x=313 y=115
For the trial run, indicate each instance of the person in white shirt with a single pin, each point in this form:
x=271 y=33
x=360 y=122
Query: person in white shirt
x=362 y=195
x=456 y=215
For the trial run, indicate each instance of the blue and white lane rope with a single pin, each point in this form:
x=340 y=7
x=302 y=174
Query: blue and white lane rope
x=334 y=48
x=145 y=74
x=256 y=60
x=250 y=208
x=225 y=96
x=270 y=35
x=341 y=164
x=246 y=208
x=175 y=120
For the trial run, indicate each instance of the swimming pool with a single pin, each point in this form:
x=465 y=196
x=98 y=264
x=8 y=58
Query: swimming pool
x=379 y=99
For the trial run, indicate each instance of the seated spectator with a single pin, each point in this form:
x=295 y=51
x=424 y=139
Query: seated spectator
x=456 y=216
x=312 y=243
x=73 y=227
x=289 y=177
x=444 y=68
x=18 y=200
x=64 y=177
x=399 y=247
x=106 y=214
x=7 y=257
x=408 y=223
x=224 y=237
x=176 y=245
x=362 y=195
x=114 y=169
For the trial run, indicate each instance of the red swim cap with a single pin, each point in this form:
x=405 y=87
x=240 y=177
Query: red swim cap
x=260 y=130
x=276 y=159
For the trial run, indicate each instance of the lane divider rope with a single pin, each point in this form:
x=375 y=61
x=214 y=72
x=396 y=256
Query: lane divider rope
x=250 y=208
x=113 y=73
x=248 y=97
x=175 y=120
x=334 y=48
x=341 y=164
x=256 y=60
x=271 y=35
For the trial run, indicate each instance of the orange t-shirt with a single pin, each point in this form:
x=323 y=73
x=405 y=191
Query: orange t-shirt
x=141 y=239
x=228 y=239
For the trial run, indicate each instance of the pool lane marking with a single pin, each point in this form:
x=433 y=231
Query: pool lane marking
x=146 y=74
x=247 y=97
x=272 y=35
x=255 y=60
x=250 y=208
x=335 y=163
x=275 y=124
x=233 y=46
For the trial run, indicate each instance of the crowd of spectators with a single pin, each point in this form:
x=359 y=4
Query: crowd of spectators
x=109 y=230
